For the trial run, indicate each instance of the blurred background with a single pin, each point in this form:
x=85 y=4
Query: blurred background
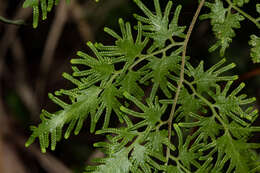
x=32 y=61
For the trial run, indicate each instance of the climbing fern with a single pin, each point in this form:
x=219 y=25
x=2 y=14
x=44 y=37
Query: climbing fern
x=211 y=122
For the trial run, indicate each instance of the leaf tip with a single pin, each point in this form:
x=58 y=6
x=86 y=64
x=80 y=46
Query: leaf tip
x=43 y=150
x=89 y=43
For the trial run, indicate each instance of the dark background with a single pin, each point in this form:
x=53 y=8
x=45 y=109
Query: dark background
x=32 y=61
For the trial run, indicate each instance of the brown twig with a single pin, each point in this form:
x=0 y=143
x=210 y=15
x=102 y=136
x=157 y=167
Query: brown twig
x=181 y=74
x=101 y=10
x=10 y=35
x=77 y=14
x=50 y=46
x=24 y=90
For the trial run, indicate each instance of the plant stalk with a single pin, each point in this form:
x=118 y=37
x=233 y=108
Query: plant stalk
x=194 y=19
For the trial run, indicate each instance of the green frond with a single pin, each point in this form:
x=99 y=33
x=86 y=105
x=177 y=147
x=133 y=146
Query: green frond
x=118 y=163
x=240 y=3
x=206 y=167
x=76 y=112
x=45 y=8
x=208 y=126
x=258 y=8
x=152 y=113
x=125 y=47
x=158 y=69
x=109 y=100
x=255 y=50
x=130 y=85
x=100 y=70
x=230 y=105
x=204 y=80
x=223 y=22
x=186 y=155
x=157 y=139
x=189 y=103
x=157 y=26
x=235 y=151
x=133 y=83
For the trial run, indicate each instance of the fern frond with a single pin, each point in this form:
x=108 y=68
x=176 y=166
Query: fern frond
x=235 y=151
x=151 y=114
x=45 y=8
x=158 y=69
x=45 y=5
x=100 y=70
x=117 y=163
x=204 y=80
x=130 y=85
x=125 y=48
x=230 y=105
x=157 y=26
x=255 y=50
x=109 y=100
x=240 y=3
x=223 y=22
x=74 y=114
x=258 y=8
x=211 y=120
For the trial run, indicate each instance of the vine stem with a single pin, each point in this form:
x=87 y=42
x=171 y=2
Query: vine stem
x=194 y=19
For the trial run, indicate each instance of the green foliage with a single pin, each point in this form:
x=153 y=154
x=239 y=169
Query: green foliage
x=240 y=3
x=255 y=50
x=157 y=26
x=258 y=8
x=45 y=6
x=134 y=82
x=223 y=23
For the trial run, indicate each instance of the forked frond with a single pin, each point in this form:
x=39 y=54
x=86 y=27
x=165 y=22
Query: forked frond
x=74 y=115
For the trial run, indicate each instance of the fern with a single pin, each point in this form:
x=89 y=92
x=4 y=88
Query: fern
x=45 y=6
x=224 y=22
x=212 y=122
x=255 y=50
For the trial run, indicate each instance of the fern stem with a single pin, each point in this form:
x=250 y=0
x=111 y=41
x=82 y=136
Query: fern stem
x=211 y=106
x=195 y=17
x=244 y=14
x=155 y=53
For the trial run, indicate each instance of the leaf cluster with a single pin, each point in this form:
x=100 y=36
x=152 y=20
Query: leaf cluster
x=212 y=122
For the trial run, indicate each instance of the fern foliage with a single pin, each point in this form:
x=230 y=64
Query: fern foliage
x=223 y=22
x=43 y=6
x=255 y=50
x=134 y=82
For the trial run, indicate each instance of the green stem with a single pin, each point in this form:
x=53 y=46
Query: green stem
x=181 y=74
x=155 y=53
x=13 y=22
x=211 y=106
x=244 y=14
x=179 y=164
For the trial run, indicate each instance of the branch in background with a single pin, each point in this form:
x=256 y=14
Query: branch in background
x=77 y=14
x=24 y=90
x=50 y=47
x=10 y=35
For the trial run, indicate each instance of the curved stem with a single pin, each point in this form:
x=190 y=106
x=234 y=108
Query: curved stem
x=14 y=22
x=182 y=74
